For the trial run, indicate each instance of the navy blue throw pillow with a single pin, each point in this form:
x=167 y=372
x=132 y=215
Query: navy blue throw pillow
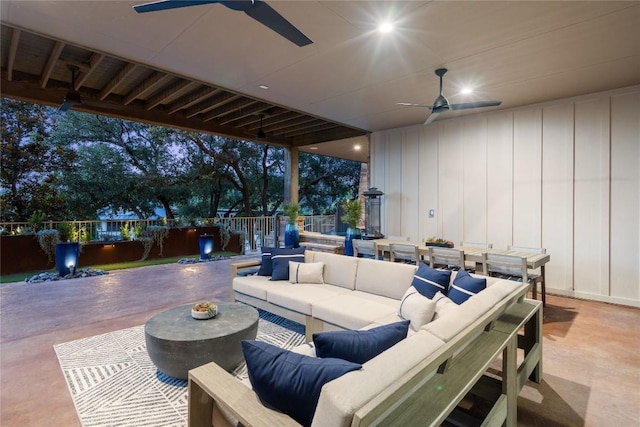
x=266 y=268
x=428 y=281
x=290 y=382
x=280 y=258
x=360 y=346
x=464 y=287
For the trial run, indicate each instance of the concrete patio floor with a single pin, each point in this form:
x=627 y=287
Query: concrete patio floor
x=591 y=350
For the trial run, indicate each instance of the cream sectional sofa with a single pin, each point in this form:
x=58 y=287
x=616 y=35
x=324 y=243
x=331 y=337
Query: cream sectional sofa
x=438 y=363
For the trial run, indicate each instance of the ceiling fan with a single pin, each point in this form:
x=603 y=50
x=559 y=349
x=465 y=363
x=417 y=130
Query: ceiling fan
x=441 y=104
x=257 y=9
x=72 y=98
x=262 y=135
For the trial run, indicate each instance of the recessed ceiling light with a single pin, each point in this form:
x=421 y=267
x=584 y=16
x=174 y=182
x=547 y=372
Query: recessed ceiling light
x=356 y=147
x=265 y=87
x=385 y=27
x=313 y=148
x=466 y=90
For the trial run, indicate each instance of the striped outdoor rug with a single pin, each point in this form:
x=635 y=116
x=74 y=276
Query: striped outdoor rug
x=113 y=382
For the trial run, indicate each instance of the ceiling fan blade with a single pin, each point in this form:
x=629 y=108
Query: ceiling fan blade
x=431 y=118
x=479 y=104
x=66 y=106
x=169 y=4
x=70 y=100
x=263 y=13
x=409 y=104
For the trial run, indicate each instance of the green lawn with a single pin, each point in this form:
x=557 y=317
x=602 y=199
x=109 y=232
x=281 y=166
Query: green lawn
x=20 y=277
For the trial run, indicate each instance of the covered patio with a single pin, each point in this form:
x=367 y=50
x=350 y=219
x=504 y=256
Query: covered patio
x=555 y=165
x=590 y=349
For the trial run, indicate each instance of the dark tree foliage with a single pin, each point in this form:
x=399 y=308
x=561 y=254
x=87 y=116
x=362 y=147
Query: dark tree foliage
x=325 y=182
x=133 y=166
x=252 y=172
x=74 y=165
x=31 y=166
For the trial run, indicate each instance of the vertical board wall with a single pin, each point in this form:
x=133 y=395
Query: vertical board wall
x=563 y=175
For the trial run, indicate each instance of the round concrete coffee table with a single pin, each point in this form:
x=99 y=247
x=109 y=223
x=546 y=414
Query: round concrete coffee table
x=176 y=342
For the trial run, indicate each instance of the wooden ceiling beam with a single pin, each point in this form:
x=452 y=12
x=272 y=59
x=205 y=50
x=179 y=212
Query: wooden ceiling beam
x=186 y=104
x=149 y=84
x=192 y=99
x=81 y=66
x=278 y=118
x=51 y=63
x=268 y=113
x=300 y=120
x=227 y=107
x=13 y=50
x=252 y=110
x=303 y=130
x=218 y=100
x=173 y=90
x=116 y=81
x=95 y=59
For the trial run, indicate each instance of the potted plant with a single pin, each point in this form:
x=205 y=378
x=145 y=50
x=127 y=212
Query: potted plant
x=351 y=217
x=67 y=249
x=291 y=233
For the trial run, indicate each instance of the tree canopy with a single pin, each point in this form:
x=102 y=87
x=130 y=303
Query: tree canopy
x=74 y=165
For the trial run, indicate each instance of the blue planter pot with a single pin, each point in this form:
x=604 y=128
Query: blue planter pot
x=352 y=233
x=291 y=236
x=67 y=257
x=206 y=246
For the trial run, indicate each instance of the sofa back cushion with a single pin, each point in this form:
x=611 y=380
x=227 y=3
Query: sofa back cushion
x=388 y=279
x=339 y=270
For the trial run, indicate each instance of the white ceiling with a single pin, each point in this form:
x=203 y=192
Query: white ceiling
x=521 y=52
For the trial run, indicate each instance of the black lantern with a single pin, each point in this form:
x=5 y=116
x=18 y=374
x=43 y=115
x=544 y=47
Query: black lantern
x=372 y=205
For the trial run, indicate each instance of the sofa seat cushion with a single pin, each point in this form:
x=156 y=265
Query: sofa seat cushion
x=362 y=345
x=354 y=309
x=299 y=297
x=339 y=270
x=290 y=382
x=255 y=286
x=343 y=396
x=388 y=279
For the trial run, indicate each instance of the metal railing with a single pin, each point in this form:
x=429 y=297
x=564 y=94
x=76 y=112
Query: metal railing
x=257 y=230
